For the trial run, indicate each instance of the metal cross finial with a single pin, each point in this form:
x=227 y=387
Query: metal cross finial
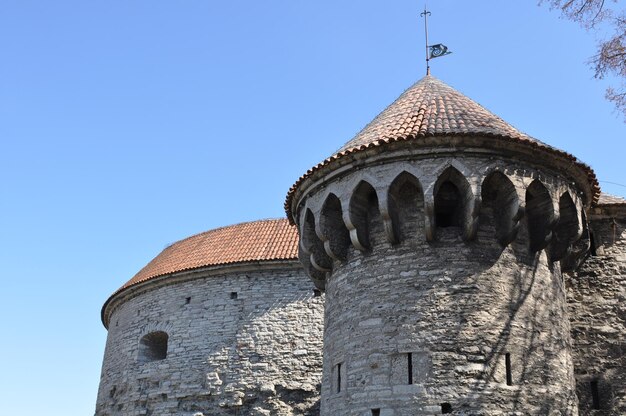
x=426 y=13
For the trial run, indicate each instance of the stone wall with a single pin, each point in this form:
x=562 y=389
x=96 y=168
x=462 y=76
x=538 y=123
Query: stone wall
x=435 y=306
x=597 y=307
x=245 y=342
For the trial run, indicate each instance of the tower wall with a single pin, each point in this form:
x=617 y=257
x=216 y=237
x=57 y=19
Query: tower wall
x=241 y=341
x=597 y=304
x=434 y=309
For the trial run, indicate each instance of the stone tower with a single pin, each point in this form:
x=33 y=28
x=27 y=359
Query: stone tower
x=440 y=234
x=597 y=307
x=221 y=323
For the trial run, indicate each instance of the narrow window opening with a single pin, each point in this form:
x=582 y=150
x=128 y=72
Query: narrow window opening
x=507 y=362
x=447 y=206
x=187 y=301
x=410 y=367
x=446 y=408
x=339 y=378
x=317 y=293
x=153 y=347
x=117 y=323
x=375 y=412
x=595 y=394
x=592 y=244
x=233 y=295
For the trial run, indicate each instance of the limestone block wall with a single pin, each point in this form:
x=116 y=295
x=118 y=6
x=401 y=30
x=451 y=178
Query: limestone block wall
x=240 y=342
x=597 y=307
x=444 y=292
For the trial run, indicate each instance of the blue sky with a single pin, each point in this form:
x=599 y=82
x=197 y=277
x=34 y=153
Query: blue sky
x=128 y=125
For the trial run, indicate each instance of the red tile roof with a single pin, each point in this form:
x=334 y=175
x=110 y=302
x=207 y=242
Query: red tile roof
x=263 y=240
x=431 y=108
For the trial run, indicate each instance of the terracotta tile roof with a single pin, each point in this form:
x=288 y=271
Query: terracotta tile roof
x=263 y=240
x=428 y=108
x=607 y=199
x=431 y=108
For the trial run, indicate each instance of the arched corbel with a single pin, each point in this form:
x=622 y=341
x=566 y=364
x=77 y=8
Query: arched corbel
x=471 y=220
x=354 y=235
x=318 y=277
x=429 y=217
x=312 y=245
x=383 y=207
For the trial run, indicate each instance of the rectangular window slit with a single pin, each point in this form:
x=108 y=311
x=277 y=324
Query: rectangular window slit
x=595 y=394
x=339 y=378
x=317 y=293
x=375 y=412
x=187 y=301
x=507 y=362
x=446 y=408
x=409 y=357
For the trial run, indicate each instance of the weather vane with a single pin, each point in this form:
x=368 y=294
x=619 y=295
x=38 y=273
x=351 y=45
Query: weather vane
x=432 y=51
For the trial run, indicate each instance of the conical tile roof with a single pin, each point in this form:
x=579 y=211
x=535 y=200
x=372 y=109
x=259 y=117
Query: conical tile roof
x=431 y=108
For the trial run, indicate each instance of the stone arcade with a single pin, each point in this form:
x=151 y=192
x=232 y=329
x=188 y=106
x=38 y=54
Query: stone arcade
x=459 y=266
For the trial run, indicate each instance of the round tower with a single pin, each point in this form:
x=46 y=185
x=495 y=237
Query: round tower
x=221 y=323
x=438 y=234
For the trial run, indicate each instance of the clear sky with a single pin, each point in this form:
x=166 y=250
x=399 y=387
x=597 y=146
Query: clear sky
x=128 y=125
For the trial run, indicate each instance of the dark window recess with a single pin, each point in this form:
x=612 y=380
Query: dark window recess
x=446 y=408
x=187 y=301
x=233 y=295
x=317 y=293
x=592 y=244
x=339 y=378
x=447 y=206
x=507 y=363
x=153 y=347
x=375 y=412
x=409 y=360
x=595 y=394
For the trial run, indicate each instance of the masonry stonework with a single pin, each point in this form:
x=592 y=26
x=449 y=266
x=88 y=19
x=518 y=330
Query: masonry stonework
x=597 y=304
x=448 y=264
x=414 y=325
x=253 y=353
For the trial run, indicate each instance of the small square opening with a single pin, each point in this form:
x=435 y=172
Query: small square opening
x=446 y=408
x=233 y=295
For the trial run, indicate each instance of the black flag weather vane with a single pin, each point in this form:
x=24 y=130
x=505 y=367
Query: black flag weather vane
x=432 y=51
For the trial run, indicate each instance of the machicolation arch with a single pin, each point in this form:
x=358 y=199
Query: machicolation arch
x=414 y=206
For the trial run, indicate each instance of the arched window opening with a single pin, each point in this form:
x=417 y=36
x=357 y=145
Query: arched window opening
x=448 y=207
x=314 y=245
x=500 y=207
x=153 y=347
x=333 y=227
x=364 y=213
x=540 y=216
x=406 y=205
x=568 y=230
